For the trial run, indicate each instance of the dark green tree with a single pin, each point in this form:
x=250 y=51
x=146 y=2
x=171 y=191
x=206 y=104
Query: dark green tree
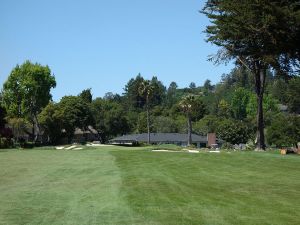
x=208 y=124
x=239 y=76
x=110 y=119
x=234 y=131
x=278 y=90
x=258 y=35
x=86 y=95
x=224 y=109
x=162 y=124
x=284 y=131
x=52 y=122
x=192 y=85
x=113 y=97
x=133 y=98
x=2 y=116
x=207 y=87
x=171 y=94
x=73 y=112
x=293 y=95
x=142 y=126
x=159 y=92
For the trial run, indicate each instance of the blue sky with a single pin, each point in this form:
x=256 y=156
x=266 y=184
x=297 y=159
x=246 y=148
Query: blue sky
x=101 y=44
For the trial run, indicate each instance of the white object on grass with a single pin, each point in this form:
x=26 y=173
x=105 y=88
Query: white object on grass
x=193 y=151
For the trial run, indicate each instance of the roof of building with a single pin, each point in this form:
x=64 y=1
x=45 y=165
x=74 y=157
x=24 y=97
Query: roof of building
x=89 y=130
x=159 y=137
x=282 y=107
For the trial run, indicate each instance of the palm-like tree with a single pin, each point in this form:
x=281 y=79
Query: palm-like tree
x=146 y=91
x=187 y=104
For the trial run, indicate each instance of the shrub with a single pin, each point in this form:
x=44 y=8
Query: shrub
x=27 y=144
x=6 y=142
x=83 y=142
x=235 y=132
x=284 y=131
x=227 y=145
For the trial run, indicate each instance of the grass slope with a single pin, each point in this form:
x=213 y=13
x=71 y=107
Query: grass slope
x=117 y=186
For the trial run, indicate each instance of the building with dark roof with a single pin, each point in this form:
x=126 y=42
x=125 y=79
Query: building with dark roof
x=89 y=134
x=161 y=138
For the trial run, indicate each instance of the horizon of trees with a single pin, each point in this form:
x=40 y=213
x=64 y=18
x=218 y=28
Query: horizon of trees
x=227 y=108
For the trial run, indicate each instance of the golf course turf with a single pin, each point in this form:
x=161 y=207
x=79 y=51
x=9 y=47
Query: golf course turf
x=119 y=185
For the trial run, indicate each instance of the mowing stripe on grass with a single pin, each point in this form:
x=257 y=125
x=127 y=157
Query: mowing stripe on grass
x=237 y=188
x=61 y=187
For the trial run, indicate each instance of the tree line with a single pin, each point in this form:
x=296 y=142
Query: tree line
x=227 y=108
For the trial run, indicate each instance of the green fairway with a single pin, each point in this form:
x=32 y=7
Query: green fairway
x=117 y=185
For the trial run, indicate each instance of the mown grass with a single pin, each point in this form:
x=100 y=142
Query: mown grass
x=117 y=185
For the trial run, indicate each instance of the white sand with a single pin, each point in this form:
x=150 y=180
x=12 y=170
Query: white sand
x=98 y=145
x=164 y=150
x=71 y=147
x=160 y=150
x=193 y=151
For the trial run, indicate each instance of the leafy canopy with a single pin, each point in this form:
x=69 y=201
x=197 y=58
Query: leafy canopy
x=27 y=90
x=260 y=30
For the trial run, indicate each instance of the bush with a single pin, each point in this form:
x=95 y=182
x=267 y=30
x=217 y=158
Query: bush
x=27 y=144
x=284 y=131
x=38 y=144
x=83 y=142
x=227 y=145
x=235 y=132
x=191 y=147
x=250 y=146
x=6 y=142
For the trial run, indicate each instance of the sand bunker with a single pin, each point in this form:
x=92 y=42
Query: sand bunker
x=163 y=150
x=193 y=151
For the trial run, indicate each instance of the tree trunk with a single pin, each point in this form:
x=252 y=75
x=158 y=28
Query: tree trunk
x=148 y=122
x=33 y=131
x=260 y=77
x=189 y=129
x=260 y=124
x=37 y=128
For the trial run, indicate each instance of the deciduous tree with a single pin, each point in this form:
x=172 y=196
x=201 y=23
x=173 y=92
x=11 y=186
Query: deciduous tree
x=73 y=112
x=27 y=91
x=52 y=122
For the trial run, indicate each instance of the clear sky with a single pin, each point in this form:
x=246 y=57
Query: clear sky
x=101 y=44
